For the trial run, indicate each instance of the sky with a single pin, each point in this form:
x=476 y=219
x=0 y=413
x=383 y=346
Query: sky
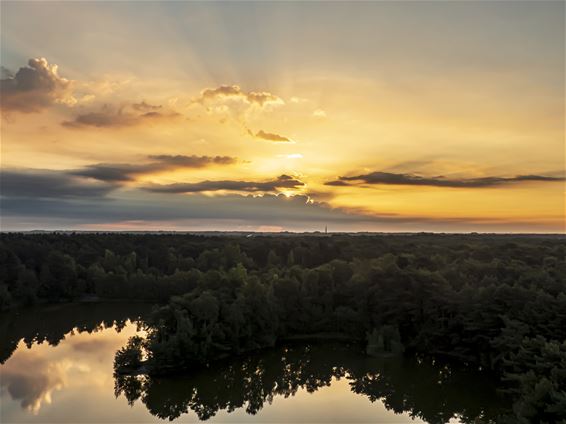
x=283 y=116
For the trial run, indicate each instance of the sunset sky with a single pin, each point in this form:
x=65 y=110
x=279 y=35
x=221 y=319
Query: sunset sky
x=369 y=116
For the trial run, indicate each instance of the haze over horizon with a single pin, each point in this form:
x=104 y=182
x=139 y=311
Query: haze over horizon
x=370 y=116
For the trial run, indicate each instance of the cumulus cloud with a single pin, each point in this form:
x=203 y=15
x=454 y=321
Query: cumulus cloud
x=50 y=184
x=262 y=98
x=280 y=183
x=389 y=178
x=137 y=114
x=33 y=88
x=126 y=172
x=31 y=380
x=235 y=92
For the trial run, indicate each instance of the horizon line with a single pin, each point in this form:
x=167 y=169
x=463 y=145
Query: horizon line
x=314 y=232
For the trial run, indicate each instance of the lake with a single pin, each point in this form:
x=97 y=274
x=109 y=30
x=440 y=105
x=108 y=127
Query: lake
x=57 y=366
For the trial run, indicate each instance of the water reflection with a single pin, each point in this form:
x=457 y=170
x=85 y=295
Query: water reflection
x=31 y=380
x=36 y=364
x=434 y=394
x=58 y=368
x=50 y=324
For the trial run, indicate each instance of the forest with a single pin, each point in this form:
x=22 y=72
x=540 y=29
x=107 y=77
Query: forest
x=490 y=302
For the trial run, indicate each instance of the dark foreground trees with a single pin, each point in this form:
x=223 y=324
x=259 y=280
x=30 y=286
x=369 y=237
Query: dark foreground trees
x=495 y=302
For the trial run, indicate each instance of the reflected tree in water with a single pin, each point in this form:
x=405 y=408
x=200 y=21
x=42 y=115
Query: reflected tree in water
x=434 y=393
x=51 y=324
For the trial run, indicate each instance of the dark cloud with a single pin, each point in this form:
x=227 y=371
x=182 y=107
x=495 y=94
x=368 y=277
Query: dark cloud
x=113 y=171
x=126 y=172
x=56 y=200
x=32 y=88
x=298 y=213
x=222 y=212
x=30 y=379
x=276 y=138
x=193 y=161
x=281 y=182
x=49 y=184
x=102 y=120
x=123 y=117
x=144 y=107
x=234 y=91
x=5 y=73
x=389 y=178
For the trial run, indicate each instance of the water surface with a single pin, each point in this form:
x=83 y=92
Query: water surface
x=58 y=368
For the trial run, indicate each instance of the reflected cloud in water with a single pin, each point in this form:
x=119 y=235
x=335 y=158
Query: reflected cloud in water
x=59 y=369
x=31 y=380
x=32 y=375
x=64 y=349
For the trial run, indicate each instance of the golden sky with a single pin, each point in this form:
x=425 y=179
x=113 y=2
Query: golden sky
x=371 y=116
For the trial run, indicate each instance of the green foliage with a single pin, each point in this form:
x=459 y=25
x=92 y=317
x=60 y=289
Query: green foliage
x=538 y=370
x=5 y=297
x=386 y=340
x=494 y=302
x=129 y=358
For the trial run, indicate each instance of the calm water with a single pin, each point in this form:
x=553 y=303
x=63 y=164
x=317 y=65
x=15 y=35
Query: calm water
x=57 y=367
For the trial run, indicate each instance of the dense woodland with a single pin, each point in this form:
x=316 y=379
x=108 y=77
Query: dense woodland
x=491 y=302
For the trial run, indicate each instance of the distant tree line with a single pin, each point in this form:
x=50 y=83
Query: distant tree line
x=495 y=302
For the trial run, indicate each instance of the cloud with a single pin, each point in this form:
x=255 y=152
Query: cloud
x=163 y=210
x=222 y=91
x=194 y=161
x=235 y=92
x=291 y=156
x=126 y=172
x=93 y=346
x=280 y=183
x=319 y=113
x=148 y=211
x=145 y=107
x=49 y=184
x=136 y=114
x=262 y=98
x=53 y=199
x=101 y=119
x=31 y=380
x=33 y=88
x=389 y=178
x=276 y=138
